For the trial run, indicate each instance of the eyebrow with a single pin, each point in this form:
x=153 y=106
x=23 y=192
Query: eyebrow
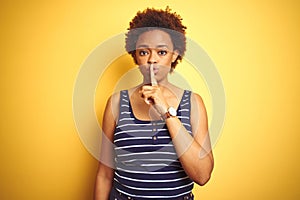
x=147 y=46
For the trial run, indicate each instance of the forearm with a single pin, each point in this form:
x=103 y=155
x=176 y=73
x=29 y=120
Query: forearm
x=102 y=188
x=196 y=159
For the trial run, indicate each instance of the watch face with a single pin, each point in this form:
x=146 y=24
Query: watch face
x=172 y=111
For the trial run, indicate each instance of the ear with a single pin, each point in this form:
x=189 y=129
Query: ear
x=175 y=55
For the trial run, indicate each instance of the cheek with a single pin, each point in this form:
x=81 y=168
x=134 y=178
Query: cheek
x=140 y=59
x=143 y=70
x=167 y=60
x=164 y=69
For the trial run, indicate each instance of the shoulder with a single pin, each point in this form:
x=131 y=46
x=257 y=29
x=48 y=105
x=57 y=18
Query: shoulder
x=114 y=99
x=112 y=105
x=198 y=115
x=196 y=99
x=197 y=106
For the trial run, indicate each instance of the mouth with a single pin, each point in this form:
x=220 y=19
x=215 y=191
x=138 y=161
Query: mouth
x=155 y=70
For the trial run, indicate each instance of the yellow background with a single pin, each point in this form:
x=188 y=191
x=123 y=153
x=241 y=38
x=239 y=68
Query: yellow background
x=254 y=44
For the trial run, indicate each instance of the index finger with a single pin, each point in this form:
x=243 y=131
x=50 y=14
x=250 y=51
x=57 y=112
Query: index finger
x=152 y=76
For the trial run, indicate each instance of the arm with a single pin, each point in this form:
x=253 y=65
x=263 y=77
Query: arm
x=105 y=172
x=194 y=152
x=103 y=182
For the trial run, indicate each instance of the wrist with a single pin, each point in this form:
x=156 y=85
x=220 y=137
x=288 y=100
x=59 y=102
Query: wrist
x=169 y=113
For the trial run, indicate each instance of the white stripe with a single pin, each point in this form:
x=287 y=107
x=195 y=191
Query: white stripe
x=157 y=189
x=155 y=165
x=154 y=197
x=124 y=105
x=148 y=172
x=184 y=104
x=162 y=129
x=125 y=100
x=150 y=181
x=125 y=119
x=132 y=138
x=125 y=112
x=160 y=160
x=183 y=117
x=184 y=110
x=132 y=131
x=141 y=153
x=119 y=126
x=142 y=138
x=163 y=137
x=186 y=124
x=146 y=145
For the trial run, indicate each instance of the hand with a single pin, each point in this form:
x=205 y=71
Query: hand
x=152 y=95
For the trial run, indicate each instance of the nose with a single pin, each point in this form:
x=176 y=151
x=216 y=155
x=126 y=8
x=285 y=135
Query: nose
x=152 y=58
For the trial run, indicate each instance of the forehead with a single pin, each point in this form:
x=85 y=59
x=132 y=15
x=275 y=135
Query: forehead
x=154 y=38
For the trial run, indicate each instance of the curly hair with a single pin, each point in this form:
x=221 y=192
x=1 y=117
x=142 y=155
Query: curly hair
x=153 y=19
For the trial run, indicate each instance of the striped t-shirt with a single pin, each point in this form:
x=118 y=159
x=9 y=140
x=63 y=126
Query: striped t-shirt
x=147 y=166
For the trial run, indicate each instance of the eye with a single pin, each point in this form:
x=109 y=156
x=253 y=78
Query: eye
x=162 y=52
x=143 y=52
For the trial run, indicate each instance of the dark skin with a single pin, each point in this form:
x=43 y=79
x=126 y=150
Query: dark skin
x=150 y=103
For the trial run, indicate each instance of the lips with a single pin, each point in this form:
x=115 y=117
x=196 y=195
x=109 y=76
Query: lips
x=155 y=70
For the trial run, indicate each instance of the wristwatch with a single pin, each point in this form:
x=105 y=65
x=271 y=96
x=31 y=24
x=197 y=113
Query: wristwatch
x=171 y=112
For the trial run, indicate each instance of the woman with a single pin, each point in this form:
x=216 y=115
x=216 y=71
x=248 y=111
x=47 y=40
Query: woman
x=159 y=131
